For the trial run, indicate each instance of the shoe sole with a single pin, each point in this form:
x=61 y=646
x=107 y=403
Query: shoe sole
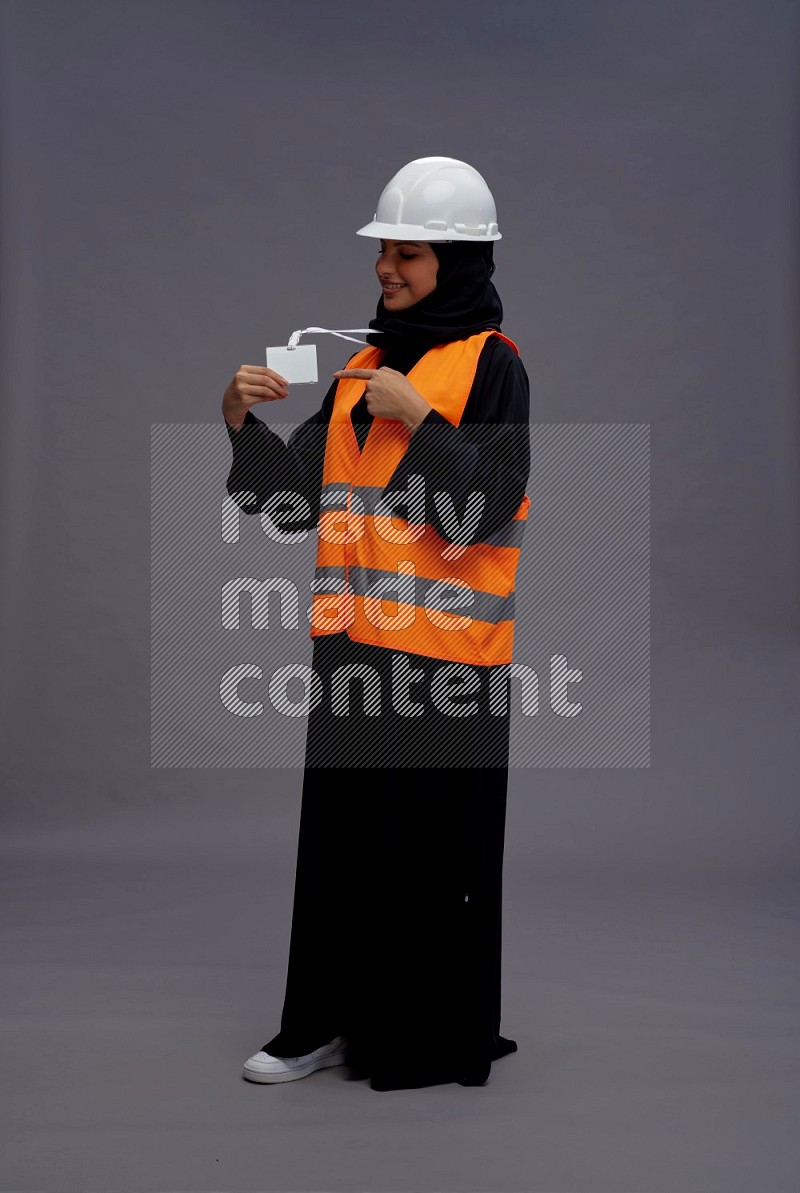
x=336 y=1058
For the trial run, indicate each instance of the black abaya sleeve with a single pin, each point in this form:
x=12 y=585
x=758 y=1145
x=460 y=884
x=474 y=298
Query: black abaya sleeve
x=264 y=465
x=488 y=453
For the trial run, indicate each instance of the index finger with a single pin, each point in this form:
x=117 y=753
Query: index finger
x=355 y=373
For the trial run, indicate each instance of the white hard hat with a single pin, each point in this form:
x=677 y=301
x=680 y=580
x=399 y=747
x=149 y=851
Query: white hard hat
x=435 y=198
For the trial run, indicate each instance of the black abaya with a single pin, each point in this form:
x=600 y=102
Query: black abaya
x=396 y=926
x=397 y=916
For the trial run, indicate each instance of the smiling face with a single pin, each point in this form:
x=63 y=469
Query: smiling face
x=407 y=272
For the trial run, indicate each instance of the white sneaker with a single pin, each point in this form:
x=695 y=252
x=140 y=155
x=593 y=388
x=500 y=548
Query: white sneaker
x=263 y=1067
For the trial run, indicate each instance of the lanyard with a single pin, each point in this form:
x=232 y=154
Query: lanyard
x=294 y=338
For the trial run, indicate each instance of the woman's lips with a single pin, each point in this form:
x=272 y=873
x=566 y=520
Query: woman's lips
x=392 y=289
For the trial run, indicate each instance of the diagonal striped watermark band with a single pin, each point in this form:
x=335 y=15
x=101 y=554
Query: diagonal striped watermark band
x=232 y=661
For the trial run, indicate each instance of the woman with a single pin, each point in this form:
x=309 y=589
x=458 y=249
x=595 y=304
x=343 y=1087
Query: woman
x=395 y=953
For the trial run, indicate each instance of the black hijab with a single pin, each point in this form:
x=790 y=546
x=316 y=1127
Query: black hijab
x=464 y=302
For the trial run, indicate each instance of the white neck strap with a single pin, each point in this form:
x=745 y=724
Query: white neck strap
x=294 y=338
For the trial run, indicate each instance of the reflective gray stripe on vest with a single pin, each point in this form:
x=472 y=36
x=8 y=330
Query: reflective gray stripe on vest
x=329 y=579
x=509 y=535
x=428 y=594
x=334 y=497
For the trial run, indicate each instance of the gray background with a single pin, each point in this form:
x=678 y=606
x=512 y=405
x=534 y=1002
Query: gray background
x=181 y=182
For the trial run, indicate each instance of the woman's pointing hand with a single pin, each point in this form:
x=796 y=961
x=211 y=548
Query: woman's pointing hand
x=390 y=394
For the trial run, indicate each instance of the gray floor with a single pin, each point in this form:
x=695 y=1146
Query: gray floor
x=656 y=1026
x=654 y=1000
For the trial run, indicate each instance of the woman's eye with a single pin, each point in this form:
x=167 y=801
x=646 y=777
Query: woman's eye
x=405 y=256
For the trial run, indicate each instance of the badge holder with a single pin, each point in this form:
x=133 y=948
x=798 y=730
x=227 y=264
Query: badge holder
x=298 y=362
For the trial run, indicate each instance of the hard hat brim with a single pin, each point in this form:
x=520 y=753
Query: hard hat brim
x=381 y=231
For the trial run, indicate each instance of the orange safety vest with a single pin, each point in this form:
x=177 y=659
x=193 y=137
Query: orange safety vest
x=396 y=583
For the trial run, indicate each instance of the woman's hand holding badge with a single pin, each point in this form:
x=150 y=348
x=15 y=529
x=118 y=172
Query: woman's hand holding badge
x=390 y=394
x=252 y=383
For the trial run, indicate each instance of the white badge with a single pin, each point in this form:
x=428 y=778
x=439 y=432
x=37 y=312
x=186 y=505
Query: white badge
x=298 y=365
x=298 y=362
